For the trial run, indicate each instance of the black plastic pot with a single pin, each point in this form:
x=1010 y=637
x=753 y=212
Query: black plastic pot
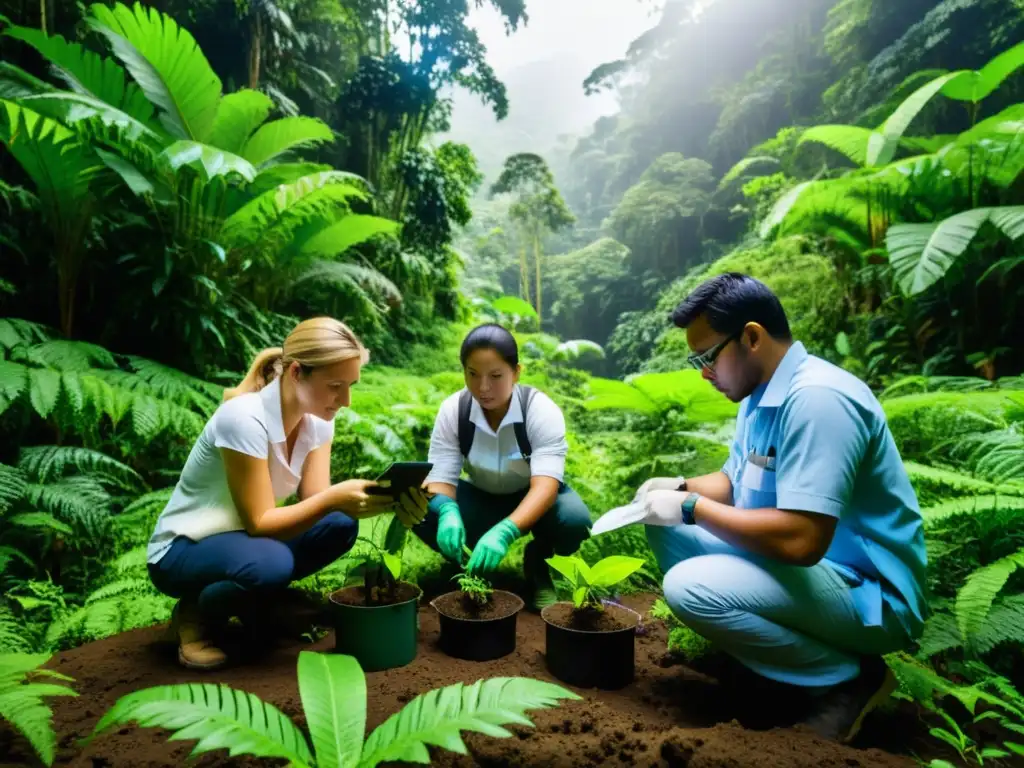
x=378 y=636
x=478 y=639
x=589 y=659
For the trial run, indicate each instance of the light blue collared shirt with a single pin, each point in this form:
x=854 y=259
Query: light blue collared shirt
x=815 y=439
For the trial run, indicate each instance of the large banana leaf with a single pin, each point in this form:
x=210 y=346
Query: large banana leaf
x=333 y=692
x=61 y=167
x=238 y=115
x=849 y=140
x=920 y=254
x=438 y=716
x=346 y=233
x=279 y=136
x=278 y=212
x=89 y=74
x=216 y=716
x=892 y=130
x=69 y=107
x=167 y=64
x=976 y=85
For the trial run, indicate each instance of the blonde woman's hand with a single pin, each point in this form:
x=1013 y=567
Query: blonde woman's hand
x=355 y=501
x=412 y=507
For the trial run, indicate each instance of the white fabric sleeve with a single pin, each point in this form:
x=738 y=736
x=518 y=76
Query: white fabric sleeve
x=323 y=432
x=238 y=427
x=545 y=426
x=444 y=451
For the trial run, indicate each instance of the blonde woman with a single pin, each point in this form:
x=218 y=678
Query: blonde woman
x=222 y=545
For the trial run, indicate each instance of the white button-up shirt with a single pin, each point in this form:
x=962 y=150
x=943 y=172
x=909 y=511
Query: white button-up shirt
x=201 y=504
x=494 y=463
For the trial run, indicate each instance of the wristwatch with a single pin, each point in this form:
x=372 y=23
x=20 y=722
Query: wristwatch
x=688 y=505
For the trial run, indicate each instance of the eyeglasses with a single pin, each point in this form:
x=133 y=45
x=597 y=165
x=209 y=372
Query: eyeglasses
x=707 y=358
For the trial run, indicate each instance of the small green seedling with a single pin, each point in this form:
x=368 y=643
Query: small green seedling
x=476 y=589
x=589 y=582
x=380 y=566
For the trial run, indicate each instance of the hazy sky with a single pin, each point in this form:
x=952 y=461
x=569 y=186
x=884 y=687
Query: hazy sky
x=594 y=30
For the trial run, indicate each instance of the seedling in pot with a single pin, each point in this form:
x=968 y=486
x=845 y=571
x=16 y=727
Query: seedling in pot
x=476 y=590
x=591 y=583
x=333 y=694
x=380 y=567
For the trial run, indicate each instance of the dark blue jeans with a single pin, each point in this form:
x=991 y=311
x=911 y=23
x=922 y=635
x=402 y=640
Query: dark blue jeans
x=560 y=530
x=230 y=573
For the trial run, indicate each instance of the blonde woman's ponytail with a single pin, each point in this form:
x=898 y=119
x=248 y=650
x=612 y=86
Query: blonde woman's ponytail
x=312 y=343
x=266 y=366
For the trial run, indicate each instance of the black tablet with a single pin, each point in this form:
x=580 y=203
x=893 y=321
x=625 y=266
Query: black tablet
x=403 y=475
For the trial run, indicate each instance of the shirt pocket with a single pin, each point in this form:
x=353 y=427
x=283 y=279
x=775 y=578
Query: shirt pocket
x=516 y=465
x=757 y=483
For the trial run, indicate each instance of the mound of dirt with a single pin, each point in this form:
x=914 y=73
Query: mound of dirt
x=671 y=715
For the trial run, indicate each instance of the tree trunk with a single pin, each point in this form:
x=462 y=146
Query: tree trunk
x=536 y=261
x=255 y=42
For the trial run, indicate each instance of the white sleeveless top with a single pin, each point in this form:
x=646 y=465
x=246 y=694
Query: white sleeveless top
x=201 y=504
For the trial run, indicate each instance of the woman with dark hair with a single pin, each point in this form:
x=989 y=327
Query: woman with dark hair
x=510 y=439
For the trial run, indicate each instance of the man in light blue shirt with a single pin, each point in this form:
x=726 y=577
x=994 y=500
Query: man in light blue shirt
x=804 y=557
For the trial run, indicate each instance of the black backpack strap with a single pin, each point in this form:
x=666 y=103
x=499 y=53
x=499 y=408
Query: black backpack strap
x=525 y=396
x=467 y=429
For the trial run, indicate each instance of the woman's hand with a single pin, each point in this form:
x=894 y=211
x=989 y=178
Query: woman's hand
x=355 y=502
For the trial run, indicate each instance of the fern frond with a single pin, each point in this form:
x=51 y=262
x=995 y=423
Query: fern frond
x=998 y=456
x=216 y=716
x=121 y=588
x=40 y=520
x=22 y=705
x=974 y=599
x=63 y=355
x=14 y=637
x=970 y=505
x=7 y=554
x=13 y=485
x=107 y=617
x=14 y=331
x=13 y=383
x=1004 y=624
x=47 y=463
x=173 y=385
x=936 y=483
x=131 y=561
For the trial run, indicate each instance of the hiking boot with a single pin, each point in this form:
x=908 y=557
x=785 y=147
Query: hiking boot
x=840 y=712
x=538 y=578
x=195 y=648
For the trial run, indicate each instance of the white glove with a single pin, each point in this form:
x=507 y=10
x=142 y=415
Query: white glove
x=658 y=484
x=656 y=508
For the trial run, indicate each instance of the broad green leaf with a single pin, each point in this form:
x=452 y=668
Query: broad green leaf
x=216 y=716
x=167 y=64
x=513 y=305
x=973 y=86
x=279 y=136
x=437 y=717
x=575 y=569
x=393 y=563
x=574 y=349
x=23 y=707
x=333 y=693
x=850 y=140
x=783 y=206
x=16 y=83
x=89 y=74
x=71 y=108
x=921 y=254
x=350 y=231
x=743 y=166
x=611 y=394
x=131 y=175
x=238 y=115
x=209 y=161
x=277 y=213
x=881 y=153
x=613 y=569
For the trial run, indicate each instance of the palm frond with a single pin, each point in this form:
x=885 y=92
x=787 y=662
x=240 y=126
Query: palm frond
x=355 y=276
x=49 y=462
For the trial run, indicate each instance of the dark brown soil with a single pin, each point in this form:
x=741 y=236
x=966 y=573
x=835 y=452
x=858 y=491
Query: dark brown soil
x=702 y=716
x=458 y=605
x=357 y=595
x=610 y=619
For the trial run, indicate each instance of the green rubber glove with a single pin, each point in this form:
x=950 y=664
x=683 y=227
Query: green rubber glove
x=451 y=533
x=492 y=547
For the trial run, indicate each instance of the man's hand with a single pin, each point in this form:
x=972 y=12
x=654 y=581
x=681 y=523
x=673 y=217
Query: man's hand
x=659 y=484
x=492 y=547
x=664 y=507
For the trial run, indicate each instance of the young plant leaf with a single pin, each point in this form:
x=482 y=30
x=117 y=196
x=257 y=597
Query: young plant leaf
x=393 y=563
x=613 y=569
x=567 y=566
x=333 y=693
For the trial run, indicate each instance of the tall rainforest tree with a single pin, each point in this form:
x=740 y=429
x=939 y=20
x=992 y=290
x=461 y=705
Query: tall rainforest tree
x=538 y=209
